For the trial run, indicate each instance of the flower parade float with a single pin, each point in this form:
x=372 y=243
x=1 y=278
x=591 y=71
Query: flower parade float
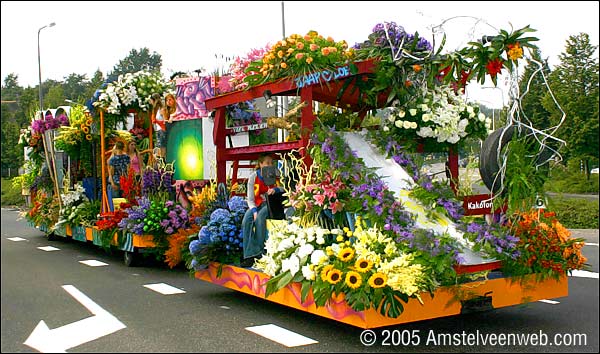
x=146 y=216
x=374 y=241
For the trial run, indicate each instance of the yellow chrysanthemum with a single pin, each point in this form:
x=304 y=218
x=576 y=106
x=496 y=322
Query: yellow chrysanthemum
x=346 y=254
x=363 y=265
x=325 y=272
x=353 y=279
x=377 y=280
x=339 y=238
x=334 y=276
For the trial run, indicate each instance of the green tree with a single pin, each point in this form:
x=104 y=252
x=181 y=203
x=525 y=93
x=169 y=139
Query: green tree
x=74 y=87
x=136 y=61
x=55 y=96
x=575 y=86
x=532 y=87
x=94 y=84
x=12 y=155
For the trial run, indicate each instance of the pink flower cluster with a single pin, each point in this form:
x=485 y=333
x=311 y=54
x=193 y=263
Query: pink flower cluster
x=240 y=64
x=40 y=126
x=323 y=195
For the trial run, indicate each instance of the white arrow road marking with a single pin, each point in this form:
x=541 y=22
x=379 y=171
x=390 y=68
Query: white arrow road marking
x=584 y=274
x=74 y=334
x=16 y=239
x=281 y=335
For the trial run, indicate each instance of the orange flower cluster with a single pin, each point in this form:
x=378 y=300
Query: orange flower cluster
x=298 y=54
x=546 y=244
x=514 y=51
x=176 y=243
x=200 y=201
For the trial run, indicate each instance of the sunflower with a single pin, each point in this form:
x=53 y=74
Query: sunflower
x=88 y=122
x=346 y=254
x=363 y=265
x=86 y=130
x=377 y=280
x=88 y=137
x=334 y=276
x=325 y=272
x=353 y=279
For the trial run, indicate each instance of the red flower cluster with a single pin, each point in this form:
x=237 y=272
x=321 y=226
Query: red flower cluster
x=547 y=244
x=494 y=67
x=110 y=220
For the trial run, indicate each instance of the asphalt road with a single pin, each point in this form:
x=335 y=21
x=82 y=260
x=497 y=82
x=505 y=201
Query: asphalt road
x=210 y=318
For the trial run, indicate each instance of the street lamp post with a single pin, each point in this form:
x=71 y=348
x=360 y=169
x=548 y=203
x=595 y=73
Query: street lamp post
x=51 y=167
x=40 y=68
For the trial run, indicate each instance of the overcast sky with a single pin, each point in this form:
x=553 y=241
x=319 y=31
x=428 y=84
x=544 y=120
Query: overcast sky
x=96 y=35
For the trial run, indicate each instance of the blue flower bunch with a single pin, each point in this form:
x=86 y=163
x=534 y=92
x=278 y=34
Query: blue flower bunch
x=177 y=218
x=221 y=238
x=492 y=239
x=156 y=181
x=134 y=222
x=389 y=34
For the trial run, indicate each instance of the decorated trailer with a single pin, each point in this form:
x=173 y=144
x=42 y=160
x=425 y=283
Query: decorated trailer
x=366 y=235
x=341 y=256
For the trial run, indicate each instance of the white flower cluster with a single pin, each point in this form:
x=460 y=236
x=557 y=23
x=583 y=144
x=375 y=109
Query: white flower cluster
x=130 y=90
x=74 y=197
x=109 y=100
x=294 y=248
x=73 y=202
x=442 y=115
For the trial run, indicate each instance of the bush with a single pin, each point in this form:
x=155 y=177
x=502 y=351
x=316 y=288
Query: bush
x=11 y=195
x=569 y=179
x=575 y=213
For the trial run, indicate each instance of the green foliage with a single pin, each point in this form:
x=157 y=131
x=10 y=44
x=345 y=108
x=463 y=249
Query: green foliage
x=136 y=61
x=571 y=179
x=87 y=214
x=575 y=213
x=522 y=181
x=533 y=88
x=11 y=194
x=575 y=86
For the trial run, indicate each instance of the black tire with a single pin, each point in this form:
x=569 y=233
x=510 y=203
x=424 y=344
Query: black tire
x=488 y=157
x=130 y=258
x=51 y=236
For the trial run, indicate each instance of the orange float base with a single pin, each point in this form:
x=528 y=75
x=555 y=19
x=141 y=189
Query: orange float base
x=447 y=301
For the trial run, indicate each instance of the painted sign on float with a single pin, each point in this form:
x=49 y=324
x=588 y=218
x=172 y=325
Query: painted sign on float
x=191 y=94
x=184 y=148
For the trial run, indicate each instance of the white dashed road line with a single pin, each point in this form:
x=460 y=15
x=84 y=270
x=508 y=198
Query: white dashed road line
x=551 y=302
x=164 y=289
x=93 y=263
x=584 y=274
x=16 y=239
x=49 y=248
x=281 y=335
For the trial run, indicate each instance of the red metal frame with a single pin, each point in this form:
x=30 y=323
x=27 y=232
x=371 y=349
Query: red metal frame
x=326 y=92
